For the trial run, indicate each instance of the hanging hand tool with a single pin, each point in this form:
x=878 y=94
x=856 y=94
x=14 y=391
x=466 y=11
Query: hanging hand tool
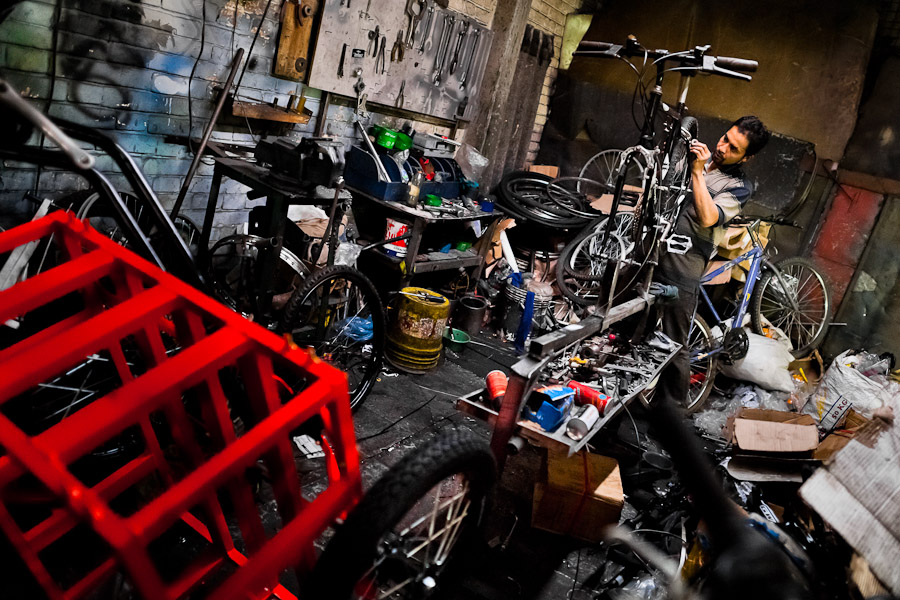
x=368 y=4
x=373 y=37
x=341 y=64
x=414 y=9
x=465 y=74
x=428 y=20
x=397 y=50
x=400 y=98
x=459 y=44
x=443 y=48
x=380 y=59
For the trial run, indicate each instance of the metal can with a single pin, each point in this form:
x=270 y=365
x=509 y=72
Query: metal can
x=581 y=421
x=584 y=394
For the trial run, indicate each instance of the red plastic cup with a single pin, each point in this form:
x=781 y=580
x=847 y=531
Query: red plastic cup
x=587 y=395
x=496 y=386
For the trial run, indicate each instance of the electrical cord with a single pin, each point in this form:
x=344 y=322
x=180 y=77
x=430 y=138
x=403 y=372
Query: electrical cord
x=193 y=71
x=252 y=44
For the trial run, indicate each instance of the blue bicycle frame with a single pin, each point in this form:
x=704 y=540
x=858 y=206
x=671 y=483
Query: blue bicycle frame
x=755 y=256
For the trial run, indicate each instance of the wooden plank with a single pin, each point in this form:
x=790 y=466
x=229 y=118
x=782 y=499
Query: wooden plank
x=294 y=49
x=267 y=112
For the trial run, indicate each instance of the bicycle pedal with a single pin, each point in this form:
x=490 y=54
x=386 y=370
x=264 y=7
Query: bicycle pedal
x=678 y=244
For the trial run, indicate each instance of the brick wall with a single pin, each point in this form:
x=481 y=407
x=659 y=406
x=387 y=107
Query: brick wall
x=550 y=17
x=124 y=66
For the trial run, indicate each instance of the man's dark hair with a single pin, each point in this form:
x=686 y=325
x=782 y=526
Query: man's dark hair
x=756 y=132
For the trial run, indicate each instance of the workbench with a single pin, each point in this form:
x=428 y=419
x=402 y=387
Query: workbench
x=523 y=376
x=371 y=213
x=280 y=191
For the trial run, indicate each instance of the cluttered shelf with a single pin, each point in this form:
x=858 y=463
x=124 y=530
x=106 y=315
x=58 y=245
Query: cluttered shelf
x=557 y=416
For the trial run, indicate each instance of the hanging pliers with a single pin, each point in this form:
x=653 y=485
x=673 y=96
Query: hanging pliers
x=397 y=50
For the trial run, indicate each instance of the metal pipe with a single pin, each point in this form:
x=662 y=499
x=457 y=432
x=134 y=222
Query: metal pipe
x=382 y=172
x=195 y=164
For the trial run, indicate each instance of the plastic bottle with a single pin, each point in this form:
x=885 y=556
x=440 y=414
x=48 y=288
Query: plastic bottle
x=413 y=188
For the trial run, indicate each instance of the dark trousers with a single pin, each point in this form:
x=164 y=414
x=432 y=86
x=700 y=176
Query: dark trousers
x=676 y=317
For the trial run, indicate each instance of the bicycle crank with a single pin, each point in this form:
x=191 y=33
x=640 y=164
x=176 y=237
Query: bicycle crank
x=735 y=346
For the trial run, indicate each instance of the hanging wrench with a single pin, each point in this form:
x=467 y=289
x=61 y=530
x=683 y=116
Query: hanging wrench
x=444 y=49
x=428 y=21
x=465 y=74
x=414 y=10
x=459 y=44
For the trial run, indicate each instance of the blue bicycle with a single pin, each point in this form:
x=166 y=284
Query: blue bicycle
x=790 y=295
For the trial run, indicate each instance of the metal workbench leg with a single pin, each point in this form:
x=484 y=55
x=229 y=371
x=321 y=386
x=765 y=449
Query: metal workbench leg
x=412 y=249
x=209 y=216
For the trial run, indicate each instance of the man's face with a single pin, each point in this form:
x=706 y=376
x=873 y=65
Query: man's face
x=731 y=149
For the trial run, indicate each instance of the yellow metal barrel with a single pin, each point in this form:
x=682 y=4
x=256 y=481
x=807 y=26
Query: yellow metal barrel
x=417 y=320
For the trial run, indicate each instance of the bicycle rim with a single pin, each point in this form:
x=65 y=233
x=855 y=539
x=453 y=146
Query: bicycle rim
x=337 y=313
x=805 y=324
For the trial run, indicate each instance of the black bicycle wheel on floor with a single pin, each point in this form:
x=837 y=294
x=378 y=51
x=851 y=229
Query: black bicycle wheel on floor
x=802 y=310
x=337 y=312
x=703 y=365
x=413 y=524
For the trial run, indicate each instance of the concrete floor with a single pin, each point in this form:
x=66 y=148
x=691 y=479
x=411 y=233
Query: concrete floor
x=516 y=561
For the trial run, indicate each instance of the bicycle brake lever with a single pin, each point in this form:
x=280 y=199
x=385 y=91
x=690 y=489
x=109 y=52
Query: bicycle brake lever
x=11 y=98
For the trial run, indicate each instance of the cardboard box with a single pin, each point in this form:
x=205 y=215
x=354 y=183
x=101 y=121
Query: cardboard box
x=759 y=430
x=579 y=496
x=548 y=170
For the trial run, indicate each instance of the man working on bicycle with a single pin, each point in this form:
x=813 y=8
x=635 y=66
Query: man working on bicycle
x=720 y=191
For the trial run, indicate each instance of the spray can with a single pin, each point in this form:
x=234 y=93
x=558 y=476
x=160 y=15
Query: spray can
x=584 y=394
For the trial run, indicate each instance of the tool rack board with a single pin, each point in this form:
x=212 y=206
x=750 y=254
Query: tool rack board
x=351 y=25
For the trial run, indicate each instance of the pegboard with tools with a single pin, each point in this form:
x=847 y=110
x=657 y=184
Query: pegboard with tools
x=411 y=54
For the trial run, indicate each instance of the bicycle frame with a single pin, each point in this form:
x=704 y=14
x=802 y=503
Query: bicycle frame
x=756 y=258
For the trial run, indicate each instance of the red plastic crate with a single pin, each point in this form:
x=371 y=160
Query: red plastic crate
x=164 y=443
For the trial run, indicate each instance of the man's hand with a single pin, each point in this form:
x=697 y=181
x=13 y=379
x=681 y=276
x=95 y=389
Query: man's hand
x=701 y=155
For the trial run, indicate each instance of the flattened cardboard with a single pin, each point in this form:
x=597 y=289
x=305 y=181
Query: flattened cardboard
x=857 y=494
x=759 y=430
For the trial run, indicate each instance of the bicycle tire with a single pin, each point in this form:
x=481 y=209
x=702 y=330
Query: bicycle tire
x=300 y=311
x=370 y=547
x=703 y=371
x=567 y=277
x=810 y=290
x=679 y=163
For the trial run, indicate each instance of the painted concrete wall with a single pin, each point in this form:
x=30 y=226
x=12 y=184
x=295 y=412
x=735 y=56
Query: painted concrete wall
x=812 y=54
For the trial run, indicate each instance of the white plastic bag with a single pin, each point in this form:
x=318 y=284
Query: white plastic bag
x=843 y=380
x=766 y=365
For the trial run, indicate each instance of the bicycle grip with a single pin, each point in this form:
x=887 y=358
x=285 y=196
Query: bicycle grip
x=737 y=64
x=594 y=46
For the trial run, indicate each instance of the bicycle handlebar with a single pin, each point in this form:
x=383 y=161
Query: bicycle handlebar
x=689 y=60
x=737 y=64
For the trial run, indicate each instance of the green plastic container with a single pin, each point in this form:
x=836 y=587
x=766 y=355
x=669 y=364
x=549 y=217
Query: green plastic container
x=403 y=142
x=455 y=339
x=384 y=137
x=432 y=200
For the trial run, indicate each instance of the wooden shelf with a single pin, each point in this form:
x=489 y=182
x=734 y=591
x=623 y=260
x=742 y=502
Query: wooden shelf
x=267 y=112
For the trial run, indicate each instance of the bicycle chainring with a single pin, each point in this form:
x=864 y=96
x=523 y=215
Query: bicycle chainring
x=735 y=346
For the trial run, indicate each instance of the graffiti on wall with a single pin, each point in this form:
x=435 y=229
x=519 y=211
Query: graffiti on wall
x=94 y=49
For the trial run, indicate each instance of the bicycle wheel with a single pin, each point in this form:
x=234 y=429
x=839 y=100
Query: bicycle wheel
x=802 y=311
x=337 y=312
x=412 y=525
x=233 y=272
x=604 y=165
x=678 y=169
x=703 y=364
x=582 y=263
